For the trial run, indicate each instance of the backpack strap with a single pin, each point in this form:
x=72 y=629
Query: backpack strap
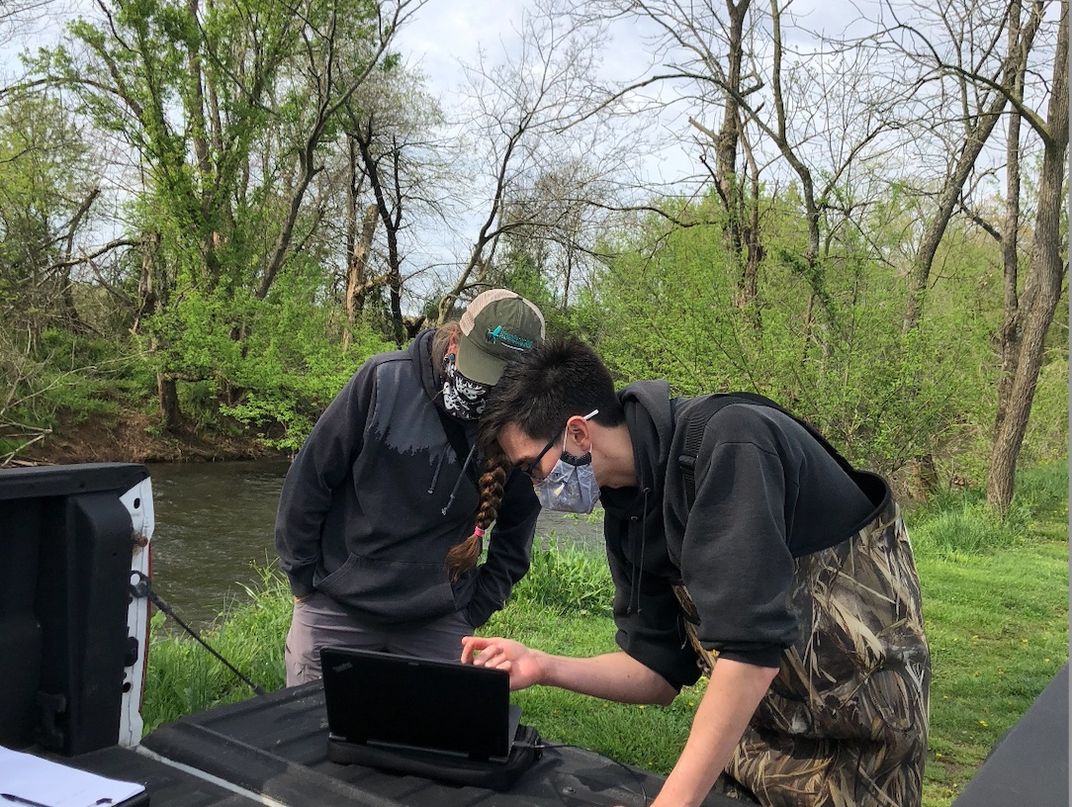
x=706 y=409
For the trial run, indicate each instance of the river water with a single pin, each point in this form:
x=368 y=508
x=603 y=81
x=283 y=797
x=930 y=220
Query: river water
x=214 y=525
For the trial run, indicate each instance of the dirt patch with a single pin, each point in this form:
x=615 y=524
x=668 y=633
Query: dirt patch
x=135 y=437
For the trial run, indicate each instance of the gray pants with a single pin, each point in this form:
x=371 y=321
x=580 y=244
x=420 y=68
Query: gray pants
x=319 y=621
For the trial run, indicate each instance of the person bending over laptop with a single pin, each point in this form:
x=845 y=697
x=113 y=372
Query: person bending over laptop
x=739 y=541
x=382 y=496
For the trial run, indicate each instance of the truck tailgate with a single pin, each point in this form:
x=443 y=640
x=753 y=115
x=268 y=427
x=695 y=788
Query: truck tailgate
x=164 y=784
x=276 y=745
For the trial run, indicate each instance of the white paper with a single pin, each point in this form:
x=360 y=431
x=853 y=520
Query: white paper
x=26 y=779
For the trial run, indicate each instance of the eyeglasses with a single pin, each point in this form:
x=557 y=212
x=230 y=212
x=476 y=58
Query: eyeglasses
x=528 y=467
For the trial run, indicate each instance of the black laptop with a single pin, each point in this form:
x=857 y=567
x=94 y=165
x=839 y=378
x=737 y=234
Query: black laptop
x=417 y=704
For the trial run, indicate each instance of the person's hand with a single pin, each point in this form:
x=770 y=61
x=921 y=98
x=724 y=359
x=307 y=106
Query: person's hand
x=526 y=667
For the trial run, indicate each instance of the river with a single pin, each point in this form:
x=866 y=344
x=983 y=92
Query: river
x=214 y=525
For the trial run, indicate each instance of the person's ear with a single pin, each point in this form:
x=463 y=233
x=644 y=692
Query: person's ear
x=452 y=345
x=581 y=431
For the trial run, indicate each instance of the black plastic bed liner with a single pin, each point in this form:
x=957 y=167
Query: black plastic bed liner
x=276 y=745
x=1029 y=766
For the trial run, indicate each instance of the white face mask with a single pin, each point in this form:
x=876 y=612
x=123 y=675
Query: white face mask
x=571 y=486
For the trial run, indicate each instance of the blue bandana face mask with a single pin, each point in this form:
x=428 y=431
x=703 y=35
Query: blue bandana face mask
x=571 y=486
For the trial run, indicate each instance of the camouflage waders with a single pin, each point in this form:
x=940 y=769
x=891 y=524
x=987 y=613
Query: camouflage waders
x=845 y=721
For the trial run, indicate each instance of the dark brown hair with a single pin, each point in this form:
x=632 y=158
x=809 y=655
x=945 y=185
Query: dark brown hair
x=544 y=387
x=440 y=340
x=464 y=556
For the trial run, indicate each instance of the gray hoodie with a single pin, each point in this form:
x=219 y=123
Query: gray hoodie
x=378 y=495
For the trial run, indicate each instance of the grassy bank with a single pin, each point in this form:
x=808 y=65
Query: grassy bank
x=995 y=602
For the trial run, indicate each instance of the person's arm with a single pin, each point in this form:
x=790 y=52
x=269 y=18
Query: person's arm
x=613 y=676
x=318 y=469
x=732 y=695
x=509 y=549
x=737 y=569
x=735 y=558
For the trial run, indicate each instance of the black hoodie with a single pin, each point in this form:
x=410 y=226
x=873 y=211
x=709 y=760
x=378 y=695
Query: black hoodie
x=766 y=493
x=378 y=495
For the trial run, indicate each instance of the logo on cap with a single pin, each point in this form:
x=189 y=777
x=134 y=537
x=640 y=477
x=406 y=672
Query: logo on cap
x=510 y=340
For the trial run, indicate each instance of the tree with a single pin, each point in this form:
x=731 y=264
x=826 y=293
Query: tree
x=536 y=114
x=1046 y=272
x=979 y=83
x=47 y=190
x=228 y=107
x=390 y=127
x=776 y=107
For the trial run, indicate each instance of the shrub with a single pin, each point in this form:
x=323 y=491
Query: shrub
x=567 y=579
x=961 y=523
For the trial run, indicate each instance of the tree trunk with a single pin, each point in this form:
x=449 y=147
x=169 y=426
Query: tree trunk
x=169 y=401
x=73 y=320
x=811 y=266
x=748 y=289
x=153 y=293
x=211 y=238
x=356 y=287
x=396 y=310
x=728 y=135
x=1009 y=337
x=390 y=213
x=1043 y=288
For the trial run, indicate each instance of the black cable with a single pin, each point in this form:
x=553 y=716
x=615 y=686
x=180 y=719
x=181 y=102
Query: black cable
x=144 y=588
x=636 y=776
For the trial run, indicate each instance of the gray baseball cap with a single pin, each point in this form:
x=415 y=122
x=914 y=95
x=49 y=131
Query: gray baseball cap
x=495 y=327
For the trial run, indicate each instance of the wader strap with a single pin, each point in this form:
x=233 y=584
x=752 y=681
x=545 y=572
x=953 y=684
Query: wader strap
x=705 y=659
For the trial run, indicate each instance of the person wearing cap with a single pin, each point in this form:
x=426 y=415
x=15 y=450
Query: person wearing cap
x=379 y=527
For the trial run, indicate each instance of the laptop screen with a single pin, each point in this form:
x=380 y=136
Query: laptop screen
x=414 y=702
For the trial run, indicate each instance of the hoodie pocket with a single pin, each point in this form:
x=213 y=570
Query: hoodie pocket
x=391 y=590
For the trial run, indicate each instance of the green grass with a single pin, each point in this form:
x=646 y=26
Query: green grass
x=183 y=677
x=996 y=618
x=565 y=579
x=995 y=599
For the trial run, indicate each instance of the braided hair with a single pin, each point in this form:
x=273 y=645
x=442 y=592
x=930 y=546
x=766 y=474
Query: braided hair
x=463 y=557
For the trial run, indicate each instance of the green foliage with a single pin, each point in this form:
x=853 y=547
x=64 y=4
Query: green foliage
x=967 y=528
x=45 y=177
x=997 y=625
x=235 y=285
x=566 y=579
x=182 y=677
x=273 y=363
x=63 y=373
x=669 y=306
x=234 y=298
x=524 y=268
x=1047 y=430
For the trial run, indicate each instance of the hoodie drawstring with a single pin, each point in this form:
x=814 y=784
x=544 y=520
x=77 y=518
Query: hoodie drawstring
x=461 y=476
x=435 y=473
